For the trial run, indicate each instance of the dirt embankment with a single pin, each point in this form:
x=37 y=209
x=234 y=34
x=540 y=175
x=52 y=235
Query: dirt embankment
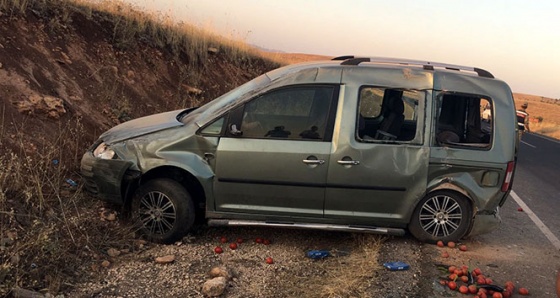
x=68 y=73
x=52 y=73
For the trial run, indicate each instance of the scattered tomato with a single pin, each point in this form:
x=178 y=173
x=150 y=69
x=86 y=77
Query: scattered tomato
x=506 y=294
x=497 y=295
x=443 y=282
x=233 y=246
x=269 y=260
x=482 y=295
x=259 y=240
x=445 y=254
x=223 y=240
x=239 y=240
x=481 y=280
x=440 y=243
x=452 y=276
x=477 y=271
x=452 y=285
x=452 y=269
x=218 y=250
x=488 y=281
x=463 y=289
x=520 y=209
x=451 y=244
x=523 y=291
x=472 y=289
x=463 y=248
x=266 y=242
x=459 y=272
x=465 y=279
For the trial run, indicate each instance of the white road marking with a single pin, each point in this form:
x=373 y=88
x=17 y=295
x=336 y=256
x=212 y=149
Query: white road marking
x=528 y=144
x=544 y=229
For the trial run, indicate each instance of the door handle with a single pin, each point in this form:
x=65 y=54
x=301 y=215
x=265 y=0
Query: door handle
x=313 y=161
x=348 y=162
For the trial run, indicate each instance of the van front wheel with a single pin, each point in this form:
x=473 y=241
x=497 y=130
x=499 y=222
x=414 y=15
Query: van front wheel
x=441 y=215
x=163 y=210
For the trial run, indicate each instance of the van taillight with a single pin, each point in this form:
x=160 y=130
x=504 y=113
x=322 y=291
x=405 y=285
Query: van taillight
x=509 y=175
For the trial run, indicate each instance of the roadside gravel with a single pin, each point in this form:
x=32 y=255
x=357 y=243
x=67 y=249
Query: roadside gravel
x=353 y=269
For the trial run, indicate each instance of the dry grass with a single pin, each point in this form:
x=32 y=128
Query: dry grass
x=348 y=276
x=546 y=109
x=548 y=129
x=131 y=26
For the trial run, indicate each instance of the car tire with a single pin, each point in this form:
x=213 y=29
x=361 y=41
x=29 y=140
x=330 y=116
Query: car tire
x=441 y=215
x=163 y=209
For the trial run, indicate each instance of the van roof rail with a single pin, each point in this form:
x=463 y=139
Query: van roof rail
x=352 y=60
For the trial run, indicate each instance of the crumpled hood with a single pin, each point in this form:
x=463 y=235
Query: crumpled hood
x=141 y=126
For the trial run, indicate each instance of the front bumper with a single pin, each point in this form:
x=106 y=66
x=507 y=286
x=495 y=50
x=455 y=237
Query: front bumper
x=104 y=178
x=485 y=223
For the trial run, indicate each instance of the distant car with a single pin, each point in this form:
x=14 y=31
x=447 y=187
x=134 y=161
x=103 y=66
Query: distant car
x=352 y=144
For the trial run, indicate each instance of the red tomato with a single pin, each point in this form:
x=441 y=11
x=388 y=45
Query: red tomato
x=223 y=240
x=239 y=240
x=269 y=260
x=445 y=254
x=488 y=281
x=218 y=250
x=266 y=242
x=233 y=245
x=452 y=269
x=497 y=295
x=465 y=279
x=463 y=248
x=463 y=289
x=440 y=243
x=472 y=289
x=453 y=276
x=481 y=281
x=477 y=271
x=451 y=244
x=523 y=291
x=452 y=285
x=259 y=240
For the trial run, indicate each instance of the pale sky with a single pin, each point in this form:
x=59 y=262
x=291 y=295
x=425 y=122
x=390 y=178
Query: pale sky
x=517 y=41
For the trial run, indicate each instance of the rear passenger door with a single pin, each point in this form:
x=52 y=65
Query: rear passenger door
x=374 y=179
x=274 y=157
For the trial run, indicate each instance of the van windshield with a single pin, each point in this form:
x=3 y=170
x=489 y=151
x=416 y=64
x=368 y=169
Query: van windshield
x=226 y=101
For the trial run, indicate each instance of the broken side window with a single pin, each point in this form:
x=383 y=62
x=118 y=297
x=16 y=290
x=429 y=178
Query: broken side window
x=464 y=120
x=388 y=114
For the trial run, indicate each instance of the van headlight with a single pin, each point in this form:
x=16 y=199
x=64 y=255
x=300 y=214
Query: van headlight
x=103 y=151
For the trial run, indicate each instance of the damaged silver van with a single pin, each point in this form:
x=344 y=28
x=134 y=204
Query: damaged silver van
x=351 y=144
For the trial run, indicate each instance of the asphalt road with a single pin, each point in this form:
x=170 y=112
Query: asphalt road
x=525 y=248
x=537 y=179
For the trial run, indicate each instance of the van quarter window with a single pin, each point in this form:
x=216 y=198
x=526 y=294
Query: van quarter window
x=464 y=120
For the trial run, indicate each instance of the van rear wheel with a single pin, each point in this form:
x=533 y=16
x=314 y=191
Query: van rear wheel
x=441 y=215
x=163 y=210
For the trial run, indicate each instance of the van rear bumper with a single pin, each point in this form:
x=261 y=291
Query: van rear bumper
x=484 y=223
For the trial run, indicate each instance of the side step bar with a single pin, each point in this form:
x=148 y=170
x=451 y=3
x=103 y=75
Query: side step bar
x=316 y=226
